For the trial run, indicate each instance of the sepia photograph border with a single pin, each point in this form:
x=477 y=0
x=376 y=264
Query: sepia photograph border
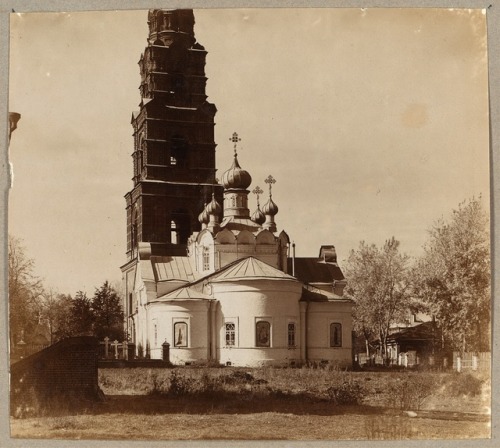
x=493 y=28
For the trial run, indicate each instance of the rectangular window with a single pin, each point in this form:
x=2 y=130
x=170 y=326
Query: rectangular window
x=335 y=335
x=180 y=334
x=263 y=334
x=206 y=258
x=291 y=334
x=230 y=334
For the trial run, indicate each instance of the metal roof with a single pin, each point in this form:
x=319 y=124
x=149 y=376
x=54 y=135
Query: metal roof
x=248 y=268
x=184 y=293
x=313 y=270
x=172 y=268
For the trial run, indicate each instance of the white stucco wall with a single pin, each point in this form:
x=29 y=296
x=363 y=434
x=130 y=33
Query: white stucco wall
x=320 y=316
x=247 y=302
x=195 y=313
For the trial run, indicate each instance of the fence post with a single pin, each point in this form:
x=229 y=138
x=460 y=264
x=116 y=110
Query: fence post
x=166 y=351
x=474 y=362
x=131 y=350
x=459 y=364
x=125 y=350
x=115 y=345
x=106 y=347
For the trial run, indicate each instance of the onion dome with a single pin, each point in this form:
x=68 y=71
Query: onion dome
x=270 y=208
x=236 y=177
x=213 y=208
x=258 y=216
x=203 y=216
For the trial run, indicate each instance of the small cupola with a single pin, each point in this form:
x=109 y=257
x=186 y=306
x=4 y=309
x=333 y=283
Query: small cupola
x=236 y=178
x=203 y=217
x=213 y=210
x=257 y=216
x=270 y=209
x=235 y=182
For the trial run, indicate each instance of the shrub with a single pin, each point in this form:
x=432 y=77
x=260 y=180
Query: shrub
x=410 y=390
x=179 y=385
x=349 y=392
x=464 y=384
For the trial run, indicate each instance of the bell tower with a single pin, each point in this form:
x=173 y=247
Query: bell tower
x=174 y=148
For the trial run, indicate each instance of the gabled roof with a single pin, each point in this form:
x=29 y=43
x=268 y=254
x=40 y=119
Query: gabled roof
x=313 y=270
x=424 y=331
x=249 y=268
x=184 y=293
x=172 y=268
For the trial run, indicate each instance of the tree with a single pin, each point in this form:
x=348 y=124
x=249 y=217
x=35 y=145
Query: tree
x=81 y=317
x=24 y=293
x=56 y=313
x=108 y=313
x=453 y=277
x=377 y=281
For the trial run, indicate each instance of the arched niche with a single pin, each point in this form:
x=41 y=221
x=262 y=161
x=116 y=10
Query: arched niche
x=245 y=237
x=265 y=237
x=205 y=237
x=225 y=237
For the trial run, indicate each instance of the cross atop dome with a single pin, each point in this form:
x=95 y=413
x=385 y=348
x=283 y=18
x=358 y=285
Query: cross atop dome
x=257 y=191
x=270 y=181
x=235 y=139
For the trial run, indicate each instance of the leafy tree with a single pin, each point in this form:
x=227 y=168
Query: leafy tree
x=108 y=313
x=56 y=314
x=81 y=317
x=24 y=293
x=378 y=282
x=453 y=277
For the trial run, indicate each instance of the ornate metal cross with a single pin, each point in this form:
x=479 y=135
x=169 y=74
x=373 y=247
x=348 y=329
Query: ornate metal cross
x=235 y=139
x=270 y=180
x=257 y=190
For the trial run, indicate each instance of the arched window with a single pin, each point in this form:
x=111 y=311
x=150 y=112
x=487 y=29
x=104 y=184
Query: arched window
x=230 y=334
x=180 y=334
x=263 y=334
x=335 y=335
x=291 y=334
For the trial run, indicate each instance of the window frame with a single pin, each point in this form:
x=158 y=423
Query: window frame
x=292 y=333
x=179 y=324
x=335 y=342
x=260 y=323
x=205 y=258
x=230 y=332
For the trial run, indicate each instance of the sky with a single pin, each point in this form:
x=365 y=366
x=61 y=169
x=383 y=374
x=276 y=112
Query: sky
x=373 y=122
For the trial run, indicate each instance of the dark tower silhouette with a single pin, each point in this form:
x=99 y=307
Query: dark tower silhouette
x=174 y=147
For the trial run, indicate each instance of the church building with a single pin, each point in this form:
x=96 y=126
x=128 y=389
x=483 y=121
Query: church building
x=214 y=281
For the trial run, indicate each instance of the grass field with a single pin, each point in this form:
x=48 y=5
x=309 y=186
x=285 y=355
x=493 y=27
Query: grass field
x=272 y=404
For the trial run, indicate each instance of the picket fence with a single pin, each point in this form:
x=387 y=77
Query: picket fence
x=472 y=361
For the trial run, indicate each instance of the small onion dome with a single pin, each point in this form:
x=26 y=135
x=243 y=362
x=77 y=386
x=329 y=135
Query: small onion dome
x=236 y=177
x=258 y=216
x=213 y=208
x=270 y=208
x=203 y=216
